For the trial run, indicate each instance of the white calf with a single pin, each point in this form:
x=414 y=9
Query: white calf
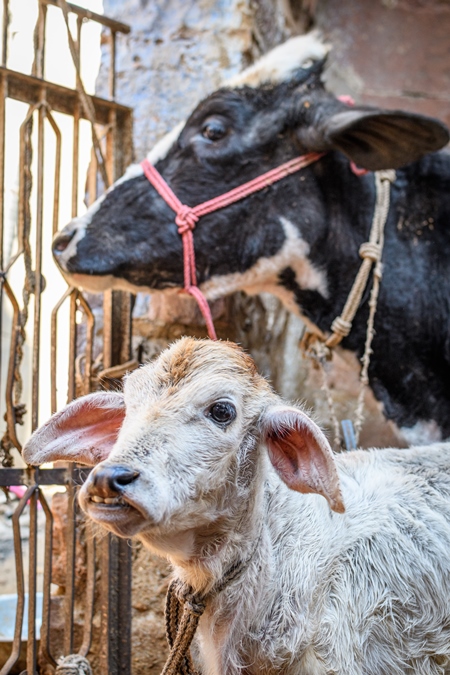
x=196 y=459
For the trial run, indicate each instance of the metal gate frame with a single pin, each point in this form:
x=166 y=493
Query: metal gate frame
x=44 y=98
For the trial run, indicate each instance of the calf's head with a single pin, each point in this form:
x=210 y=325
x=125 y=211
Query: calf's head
x=273 y=112
x=185 y=449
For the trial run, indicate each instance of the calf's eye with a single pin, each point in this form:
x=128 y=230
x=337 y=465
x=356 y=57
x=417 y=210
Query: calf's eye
x=222 y=412
x=214 y=130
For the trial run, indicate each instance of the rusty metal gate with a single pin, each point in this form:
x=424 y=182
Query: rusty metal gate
x=32 y=341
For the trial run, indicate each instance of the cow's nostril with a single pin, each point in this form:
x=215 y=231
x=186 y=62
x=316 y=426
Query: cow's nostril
x=109 y=481
x=61 y=241
x=125 y=476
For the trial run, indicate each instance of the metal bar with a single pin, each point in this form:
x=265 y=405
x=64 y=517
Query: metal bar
x=32 y=583
x=92 y=179
x=110 y=147
x=3 y=95
x=71 y=387
x=9 y=392
x=39 y=52
x=90 y=325
x=90 y=590
x=54 y=348
x=99 y=18
x=38 y=266
x=57 y=177
x=5 y=32
x=44 y=650
x=70 y=576
x=75 y=158
x=112 y=65
x=115 y=628
x=15 y=652
x=59 y=476
x=26 y=88
x=116 y=553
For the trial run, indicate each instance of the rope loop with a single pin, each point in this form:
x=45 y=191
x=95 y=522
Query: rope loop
x=370 y=250
x=186 y=219
x=75 y=664
x=387 y=174
x=341 y=327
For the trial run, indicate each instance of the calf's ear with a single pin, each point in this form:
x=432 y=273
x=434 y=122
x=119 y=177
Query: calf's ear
x=380 y=139
x=301 y=455
x=84 y=431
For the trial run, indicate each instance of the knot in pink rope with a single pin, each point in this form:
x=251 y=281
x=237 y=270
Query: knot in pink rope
x=348 y=100
x=186 y=219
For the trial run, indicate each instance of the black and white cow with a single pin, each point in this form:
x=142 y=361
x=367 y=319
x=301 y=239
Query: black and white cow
x=298 y=239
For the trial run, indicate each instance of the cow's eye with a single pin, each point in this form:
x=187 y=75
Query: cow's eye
x=214 y=130
x=222 y=412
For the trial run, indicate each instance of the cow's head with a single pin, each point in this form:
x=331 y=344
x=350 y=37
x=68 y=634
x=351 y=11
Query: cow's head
x=273 y=112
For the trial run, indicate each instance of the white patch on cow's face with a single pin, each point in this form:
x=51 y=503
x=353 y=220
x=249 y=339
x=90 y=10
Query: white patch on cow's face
x=280 y=63
x=163 y=146
x=422 y=433
x=81 y=223
x=264 y=275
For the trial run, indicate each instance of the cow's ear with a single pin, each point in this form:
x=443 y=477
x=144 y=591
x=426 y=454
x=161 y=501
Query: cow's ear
x=301 y=455
x=84 y=431
x=379 y=139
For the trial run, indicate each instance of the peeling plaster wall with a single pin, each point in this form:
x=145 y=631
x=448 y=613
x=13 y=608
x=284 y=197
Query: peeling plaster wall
x=177 y=52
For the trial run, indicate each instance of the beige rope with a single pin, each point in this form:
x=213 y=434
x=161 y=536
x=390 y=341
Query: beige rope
x=370 y=251
x=75 y=664
x=183 y=612
x=319 y=348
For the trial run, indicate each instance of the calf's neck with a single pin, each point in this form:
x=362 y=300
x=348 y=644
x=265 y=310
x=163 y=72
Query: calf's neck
x=344 y=560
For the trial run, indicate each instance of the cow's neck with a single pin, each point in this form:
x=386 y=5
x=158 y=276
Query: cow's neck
x=399 y=384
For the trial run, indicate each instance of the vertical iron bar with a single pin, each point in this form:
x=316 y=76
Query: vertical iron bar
x=3 y=94
x=112 y=66
x=5 y=32
x=90 y=324
x=116 y=606
x=57 y=177
x=75 y=157
x=9 y=393
x=116 y=553
x=90 y=591
x=70 y=574
x=54 y=349
x=39 y=53
x=15 y=652
x=45 y=626
x=71 y=387
x=32 y=583
x=38 y=264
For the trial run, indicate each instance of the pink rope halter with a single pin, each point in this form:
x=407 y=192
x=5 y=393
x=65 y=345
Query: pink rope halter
x=187 y=217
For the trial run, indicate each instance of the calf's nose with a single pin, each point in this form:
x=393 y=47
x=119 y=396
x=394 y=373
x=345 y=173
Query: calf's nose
x=110 y=481
x=61 y=241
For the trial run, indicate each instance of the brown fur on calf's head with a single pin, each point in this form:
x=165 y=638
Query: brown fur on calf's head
x=189 y=445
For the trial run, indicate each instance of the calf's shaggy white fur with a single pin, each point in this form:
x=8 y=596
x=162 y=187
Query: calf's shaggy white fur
x=197 y=459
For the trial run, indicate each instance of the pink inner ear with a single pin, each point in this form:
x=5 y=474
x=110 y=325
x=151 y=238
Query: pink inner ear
x=85 y=431
x=302 y=457
x=301 y=464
